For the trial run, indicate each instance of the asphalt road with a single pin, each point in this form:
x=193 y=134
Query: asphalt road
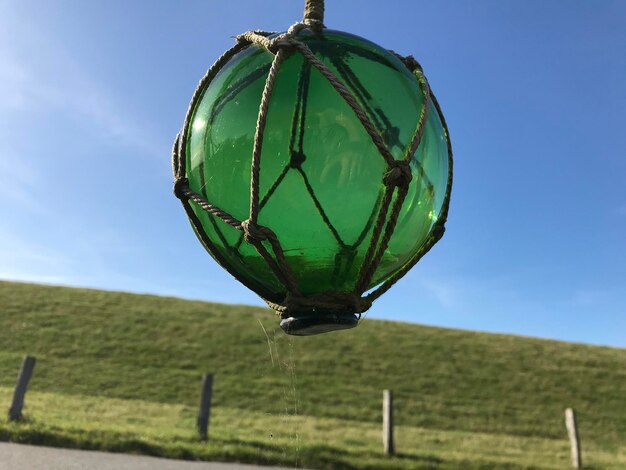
x=25 y=457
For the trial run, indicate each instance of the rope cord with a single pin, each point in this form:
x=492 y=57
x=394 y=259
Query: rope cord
x=396 y=180
x=258 y=135
x=314 y=14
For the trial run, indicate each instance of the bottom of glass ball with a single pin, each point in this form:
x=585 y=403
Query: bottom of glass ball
x=315 y=324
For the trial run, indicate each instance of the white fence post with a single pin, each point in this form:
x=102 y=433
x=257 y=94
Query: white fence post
x=388 y=422
x=572 y=431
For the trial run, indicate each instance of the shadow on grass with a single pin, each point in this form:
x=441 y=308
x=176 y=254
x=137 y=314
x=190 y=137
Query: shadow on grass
x=317 y=456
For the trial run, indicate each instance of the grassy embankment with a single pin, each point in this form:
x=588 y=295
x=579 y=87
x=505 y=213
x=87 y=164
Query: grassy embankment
x=122 y=372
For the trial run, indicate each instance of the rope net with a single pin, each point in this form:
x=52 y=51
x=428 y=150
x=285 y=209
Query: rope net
x=385 y=213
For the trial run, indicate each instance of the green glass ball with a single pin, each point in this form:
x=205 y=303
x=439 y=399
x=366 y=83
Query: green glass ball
x=321 y=178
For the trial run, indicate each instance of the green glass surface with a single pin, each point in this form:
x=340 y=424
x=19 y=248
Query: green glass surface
x=323 y=210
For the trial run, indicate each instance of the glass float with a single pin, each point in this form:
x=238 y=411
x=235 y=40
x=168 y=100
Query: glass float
x=315 y=166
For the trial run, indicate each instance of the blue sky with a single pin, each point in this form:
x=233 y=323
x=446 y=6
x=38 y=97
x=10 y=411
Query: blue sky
x=92 y=94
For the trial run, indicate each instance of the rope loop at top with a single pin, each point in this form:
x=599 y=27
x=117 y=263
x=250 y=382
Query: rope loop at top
x=314 y=14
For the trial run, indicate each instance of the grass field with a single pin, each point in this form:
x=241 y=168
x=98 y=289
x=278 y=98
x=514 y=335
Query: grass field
x=122 y=372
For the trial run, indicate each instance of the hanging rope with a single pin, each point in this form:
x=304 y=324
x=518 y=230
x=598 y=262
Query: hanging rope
x=396 y=179
x=314 y=14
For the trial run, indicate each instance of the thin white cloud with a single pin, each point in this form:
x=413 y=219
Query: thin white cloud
x=593 y=300
x=38 y=74
x=444 y=292
x=39 y=78
x=18 y=179
x=23 y=260
x=461 y=295
x=74 y=263
x=590 y=298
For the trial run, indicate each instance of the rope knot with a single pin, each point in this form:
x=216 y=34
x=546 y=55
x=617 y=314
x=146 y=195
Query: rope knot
x=282 y=41
x=412 y=64
x=362 y=304
x=180 y=185
x=253 y=233
x=438 y=230
x=347 y=250
x=297 y=159
x=399 y=174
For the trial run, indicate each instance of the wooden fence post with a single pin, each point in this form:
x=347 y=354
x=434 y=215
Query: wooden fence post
x=388 y=422
x=205 y=406
x=17 y=403
x=572 y=431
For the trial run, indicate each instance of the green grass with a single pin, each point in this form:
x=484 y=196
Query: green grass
x=122 y=372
